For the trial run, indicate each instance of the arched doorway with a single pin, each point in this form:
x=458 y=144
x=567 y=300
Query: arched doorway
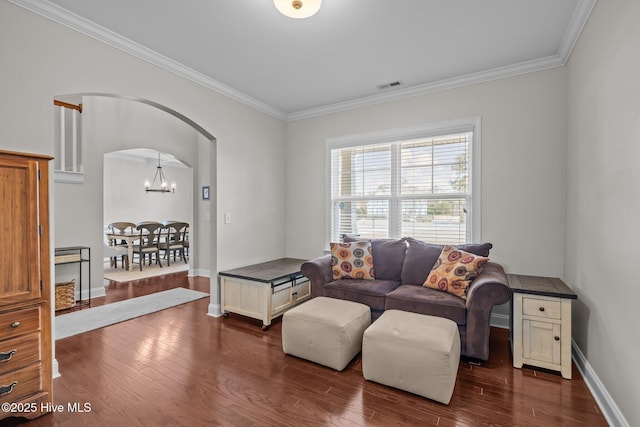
x=105 y=118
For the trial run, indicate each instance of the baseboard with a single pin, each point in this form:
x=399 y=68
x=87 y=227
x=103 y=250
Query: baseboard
x=199 y=272
x=214 y=310
x=606 y=404
x=55 y=369
x=95 y=293
x=500 y=320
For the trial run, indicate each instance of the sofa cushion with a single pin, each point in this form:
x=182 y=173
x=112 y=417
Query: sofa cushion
x=352 y=260
x=421 y=257
x=388 y=258
x=454 y=271
x=480 y=249
x=369 y=292
x=419 y=299
x=388 y=255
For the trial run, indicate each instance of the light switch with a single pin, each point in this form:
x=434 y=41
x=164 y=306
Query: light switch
x=227 y=218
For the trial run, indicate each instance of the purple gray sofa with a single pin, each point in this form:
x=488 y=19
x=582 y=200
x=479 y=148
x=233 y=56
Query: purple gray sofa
x=401 y=267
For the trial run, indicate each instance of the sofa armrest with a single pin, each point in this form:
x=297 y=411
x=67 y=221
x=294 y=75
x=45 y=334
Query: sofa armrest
x=318 y=271
x=490 y=288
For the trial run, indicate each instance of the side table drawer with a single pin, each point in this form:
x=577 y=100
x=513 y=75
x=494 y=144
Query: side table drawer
x=19 y=352
x=541 y=308
x=14 y=323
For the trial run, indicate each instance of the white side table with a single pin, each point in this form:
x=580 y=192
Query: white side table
x=541 y=323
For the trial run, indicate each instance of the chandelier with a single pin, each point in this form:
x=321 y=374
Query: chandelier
x=150 y=187
x=298 y=9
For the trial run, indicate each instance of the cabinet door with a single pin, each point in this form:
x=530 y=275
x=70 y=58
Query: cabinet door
x=19 y=230
x=541 y=341
x=281 y=298
x=301 y=290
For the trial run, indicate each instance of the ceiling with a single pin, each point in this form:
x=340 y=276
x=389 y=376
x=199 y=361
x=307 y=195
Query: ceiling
x=147 y=156
x=339 y=58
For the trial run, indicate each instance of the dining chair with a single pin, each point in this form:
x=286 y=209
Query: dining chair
x=186 y=242
x=173 y=240
x=148 y=243
x=120 y=228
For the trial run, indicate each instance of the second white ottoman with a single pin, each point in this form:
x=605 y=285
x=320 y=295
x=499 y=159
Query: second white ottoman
x=325 y=330
x=413 y=352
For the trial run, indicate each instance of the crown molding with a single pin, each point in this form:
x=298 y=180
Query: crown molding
x=75 y=22
x=455 y=82
x=571 y=36
x=55 y=13
x=578 y=21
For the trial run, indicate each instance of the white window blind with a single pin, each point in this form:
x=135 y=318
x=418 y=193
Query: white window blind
x=419 y=187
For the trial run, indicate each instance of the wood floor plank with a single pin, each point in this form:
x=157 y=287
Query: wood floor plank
x=181 y=367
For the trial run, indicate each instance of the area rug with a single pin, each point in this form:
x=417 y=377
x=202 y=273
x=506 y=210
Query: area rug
x=70 y=324
x=122 y=275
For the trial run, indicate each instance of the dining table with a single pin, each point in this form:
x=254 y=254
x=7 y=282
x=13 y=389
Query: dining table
x=130 y=238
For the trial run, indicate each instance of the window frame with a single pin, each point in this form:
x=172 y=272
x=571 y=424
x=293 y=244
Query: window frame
x=469 y=124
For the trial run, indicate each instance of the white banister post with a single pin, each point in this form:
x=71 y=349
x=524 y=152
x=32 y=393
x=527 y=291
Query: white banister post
x=62 y=141
x=74 y=147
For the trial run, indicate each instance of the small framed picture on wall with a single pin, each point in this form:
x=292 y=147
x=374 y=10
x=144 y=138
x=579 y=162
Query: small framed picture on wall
x=205 y=192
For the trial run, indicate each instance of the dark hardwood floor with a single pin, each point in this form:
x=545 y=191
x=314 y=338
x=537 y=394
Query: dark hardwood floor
x=180 y=367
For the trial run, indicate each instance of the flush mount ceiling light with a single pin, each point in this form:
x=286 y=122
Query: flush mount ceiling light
x=298 y=9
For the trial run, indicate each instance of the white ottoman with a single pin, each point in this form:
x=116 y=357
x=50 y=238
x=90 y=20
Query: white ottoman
x=324 y=330
x=413 y=352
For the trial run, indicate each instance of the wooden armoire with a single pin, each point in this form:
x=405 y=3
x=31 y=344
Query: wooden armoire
x=25 y=286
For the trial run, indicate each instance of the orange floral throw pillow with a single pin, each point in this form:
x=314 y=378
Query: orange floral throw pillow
x=454 y=271
x=352 y=260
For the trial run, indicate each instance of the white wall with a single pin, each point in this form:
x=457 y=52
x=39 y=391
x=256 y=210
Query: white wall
x=111 y=124
x=524 y=132
x=42 y=59
x=523 y=156
x=204 y=249
x=603 y=203
x=126 y=200
x=523 y=121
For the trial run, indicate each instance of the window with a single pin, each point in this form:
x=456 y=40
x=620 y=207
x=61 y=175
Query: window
x=420 y=183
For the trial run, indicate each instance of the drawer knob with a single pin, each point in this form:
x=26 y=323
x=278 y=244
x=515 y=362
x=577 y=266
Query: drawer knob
x=557 y=338
x=6 y=389
x=15 y=324
x=5 y=357
x=541 y=309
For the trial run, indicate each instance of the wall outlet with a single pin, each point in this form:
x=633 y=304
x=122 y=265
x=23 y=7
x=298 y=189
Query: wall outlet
x=227 y=218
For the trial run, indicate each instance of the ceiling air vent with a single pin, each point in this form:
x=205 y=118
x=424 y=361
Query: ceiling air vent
x=388 y=85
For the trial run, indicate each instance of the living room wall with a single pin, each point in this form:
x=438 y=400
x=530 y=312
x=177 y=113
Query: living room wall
x=112 y=124
x=523 y=157
x=603 y=205
x=42 y=59
x=126 y=201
